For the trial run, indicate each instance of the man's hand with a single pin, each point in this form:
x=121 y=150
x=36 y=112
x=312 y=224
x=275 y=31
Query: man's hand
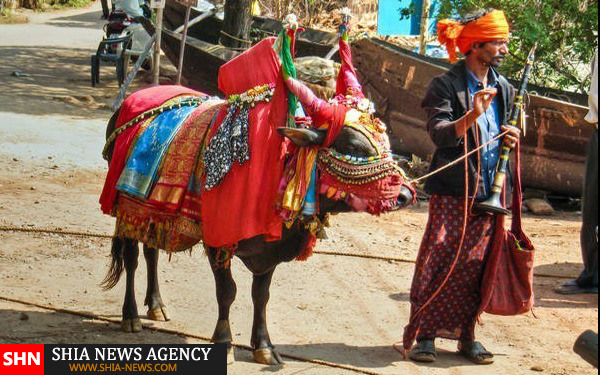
x=512 y=137
x=482 y=100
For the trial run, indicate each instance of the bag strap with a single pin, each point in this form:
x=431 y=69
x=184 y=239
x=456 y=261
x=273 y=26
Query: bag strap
x=517 y=198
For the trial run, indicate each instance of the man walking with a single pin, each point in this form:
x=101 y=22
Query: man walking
x=470 y=103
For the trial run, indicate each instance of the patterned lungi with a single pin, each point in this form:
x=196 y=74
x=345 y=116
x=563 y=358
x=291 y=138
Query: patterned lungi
x=453 y=313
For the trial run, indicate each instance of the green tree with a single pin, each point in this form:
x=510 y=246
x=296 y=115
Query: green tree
x=565 y=29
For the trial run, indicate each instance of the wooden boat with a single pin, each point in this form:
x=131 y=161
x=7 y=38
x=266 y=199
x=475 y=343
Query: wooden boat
x=395 y=79
x=203 y=49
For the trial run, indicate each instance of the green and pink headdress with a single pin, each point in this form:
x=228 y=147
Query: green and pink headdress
x=348 y=90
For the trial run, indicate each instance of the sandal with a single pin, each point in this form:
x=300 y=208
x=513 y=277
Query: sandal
x=424 y=351
x=476 y=353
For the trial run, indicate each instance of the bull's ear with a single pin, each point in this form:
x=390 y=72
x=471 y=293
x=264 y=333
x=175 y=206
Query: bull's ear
x=304 y=137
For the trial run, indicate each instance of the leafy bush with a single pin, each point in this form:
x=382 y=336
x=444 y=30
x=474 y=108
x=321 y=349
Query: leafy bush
x=565 y=30
x=75 y=3
x=68 y=3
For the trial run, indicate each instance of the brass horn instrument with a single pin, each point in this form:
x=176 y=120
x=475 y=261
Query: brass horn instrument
x=494 y=204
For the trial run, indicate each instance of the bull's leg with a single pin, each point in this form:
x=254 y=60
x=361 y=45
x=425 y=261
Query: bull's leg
x=131 y=320
x=264 y=351
x=156 y=308
x=226 y=292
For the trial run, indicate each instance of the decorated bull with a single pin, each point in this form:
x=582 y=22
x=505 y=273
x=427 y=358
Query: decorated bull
x=249 y=176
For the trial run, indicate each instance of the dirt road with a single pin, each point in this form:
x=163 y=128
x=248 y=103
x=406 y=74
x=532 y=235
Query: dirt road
x=338 y=309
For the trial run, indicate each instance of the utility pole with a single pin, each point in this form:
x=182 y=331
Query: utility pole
x=159 y=6
x=424 y=27
x=182 y=47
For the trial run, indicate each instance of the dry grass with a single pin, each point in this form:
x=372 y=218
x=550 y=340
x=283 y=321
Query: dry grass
x=8 y=16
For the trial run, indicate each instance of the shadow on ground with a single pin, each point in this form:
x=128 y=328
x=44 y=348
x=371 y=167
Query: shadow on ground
x=34 y=327
x=369 y=357
x=564 y=270
x=56 y=81
x=91 y=20
x=544 y=287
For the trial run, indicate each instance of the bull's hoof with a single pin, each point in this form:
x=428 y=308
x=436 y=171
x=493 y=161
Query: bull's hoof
x=159 y=313
x=268 y=357
x=131 y=325
x=230 y=356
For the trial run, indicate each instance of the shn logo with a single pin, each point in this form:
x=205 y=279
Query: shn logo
x=22 y=359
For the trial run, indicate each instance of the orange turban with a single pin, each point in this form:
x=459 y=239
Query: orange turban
x=492 y=26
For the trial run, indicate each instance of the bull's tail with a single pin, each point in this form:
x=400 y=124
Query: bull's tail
x=116 y=264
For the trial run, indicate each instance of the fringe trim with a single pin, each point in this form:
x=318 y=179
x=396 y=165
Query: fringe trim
x=159 y=230
x=307 y=252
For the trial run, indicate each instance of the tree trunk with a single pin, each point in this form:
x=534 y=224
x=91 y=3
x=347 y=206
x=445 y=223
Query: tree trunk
x=236 y=24
x=424 y=27
x=32 y=4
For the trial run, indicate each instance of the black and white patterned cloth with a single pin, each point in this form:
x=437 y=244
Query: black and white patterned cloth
x=230 y=144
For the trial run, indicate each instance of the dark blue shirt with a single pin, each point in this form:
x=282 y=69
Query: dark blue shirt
x=488 y=129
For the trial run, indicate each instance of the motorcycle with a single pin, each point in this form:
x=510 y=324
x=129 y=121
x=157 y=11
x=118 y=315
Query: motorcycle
x=119 y=24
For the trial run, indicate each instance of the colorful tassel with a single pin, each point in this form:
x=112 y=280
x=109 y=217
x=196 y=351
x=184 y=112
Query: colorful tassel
x=307 y=252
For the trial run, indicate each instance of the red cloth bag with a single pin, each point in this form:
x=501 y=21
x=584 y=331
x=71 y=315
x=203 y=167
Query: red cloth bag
x=507 y=285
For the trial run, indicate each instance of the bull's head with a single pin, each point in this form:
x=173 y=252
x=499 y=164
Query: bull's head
x=357 y=172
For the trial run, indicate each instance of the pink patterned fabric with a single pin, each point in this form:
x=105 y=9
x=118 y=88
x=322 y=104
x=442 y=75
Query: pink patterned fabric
x=453 y=313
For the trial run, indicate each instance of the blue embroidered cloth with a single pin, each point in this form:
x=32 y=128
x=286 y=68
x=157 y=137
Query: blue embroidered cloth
x=310 y=201
x=143 y=164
